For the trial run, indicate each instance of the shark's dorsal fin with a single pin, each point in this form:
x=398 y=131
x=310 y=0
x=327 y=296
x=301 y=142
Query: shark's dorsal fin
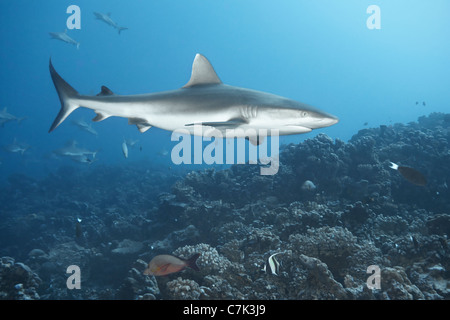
x=71 y=143
x=105 y=92
x=202 y=73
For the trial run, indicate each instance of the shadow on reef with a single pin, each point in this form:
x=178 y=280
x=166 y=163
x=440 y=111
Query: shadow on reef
x=354 y=212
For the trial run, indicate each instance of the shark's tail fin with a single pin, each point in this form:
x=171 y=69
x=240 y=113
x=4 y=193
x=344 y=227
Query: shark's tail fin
x=25 y=148
x=66 y=95
x=19 y=120
x=121 y=28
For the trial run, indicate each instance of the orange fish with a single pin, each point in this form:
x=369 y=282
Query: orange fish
x=165 y=264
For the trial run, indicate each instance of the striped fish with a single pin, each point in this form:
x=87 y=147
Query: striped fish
x=272 y=266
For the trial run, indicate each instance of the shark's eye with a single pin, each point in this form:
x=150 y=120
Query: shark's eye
x=304 y=114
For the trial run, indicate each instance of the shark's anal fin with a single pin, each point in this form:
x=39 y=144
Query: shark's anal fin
x=105 y=91
x=140 y=123
x=202 y=73
x=100 y=117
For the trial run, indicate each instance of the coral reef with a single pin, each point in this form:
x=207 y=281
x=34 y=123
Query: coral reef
x=333 y=209
x=17 y=281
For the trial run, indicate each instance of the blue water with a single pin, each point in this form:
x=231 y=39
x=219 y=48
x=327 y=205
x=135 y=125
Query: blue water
x=317 y=52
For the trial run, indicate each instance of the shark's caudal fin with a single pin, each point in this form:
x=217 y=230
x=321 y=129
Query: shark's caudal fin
x=66 y=95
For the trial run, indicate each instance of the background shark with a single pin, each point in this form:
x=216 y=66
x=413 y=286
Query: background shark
x=6 y=117
x=71 y=150
x=17 y=147
x=204 y=100
x=107 y=19
x=64 y=37
x=84 y=126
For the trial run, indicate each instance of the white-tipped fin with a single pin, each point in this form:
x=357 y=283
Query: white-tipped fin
x=143 y=127
x=393 y=166
x=202 y=73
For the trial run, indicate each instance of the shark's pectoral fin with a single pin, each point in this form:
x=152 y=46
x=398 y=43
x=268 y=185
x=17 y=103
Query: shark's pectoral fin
x=105 y=91
x=136 y=121
x=100 y=116
x=255 y=140
x=202 y=73
x=230 y=124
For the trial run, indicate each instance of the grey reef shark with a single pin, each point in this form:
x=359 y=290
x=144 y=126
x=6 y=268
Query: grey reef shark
x=204 y=101
x=64 y=37
x=107 y=19
x=5 y=117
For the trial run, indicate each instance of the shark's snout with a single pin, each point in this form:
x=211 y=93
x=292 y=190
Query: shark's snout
x=323 y=121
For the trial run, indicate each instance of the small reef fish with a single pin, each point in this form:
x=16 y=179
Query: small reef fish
x=410 y=174
x=6 y=117
x=165 y=264
x=84 y=126
x=78 y=231
x=125 y=149
x=163 y=153
x=107 y=19
x=414 y=241
x=131 y=143
x=308 y=185
x=272 y=266
x=64 y=37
